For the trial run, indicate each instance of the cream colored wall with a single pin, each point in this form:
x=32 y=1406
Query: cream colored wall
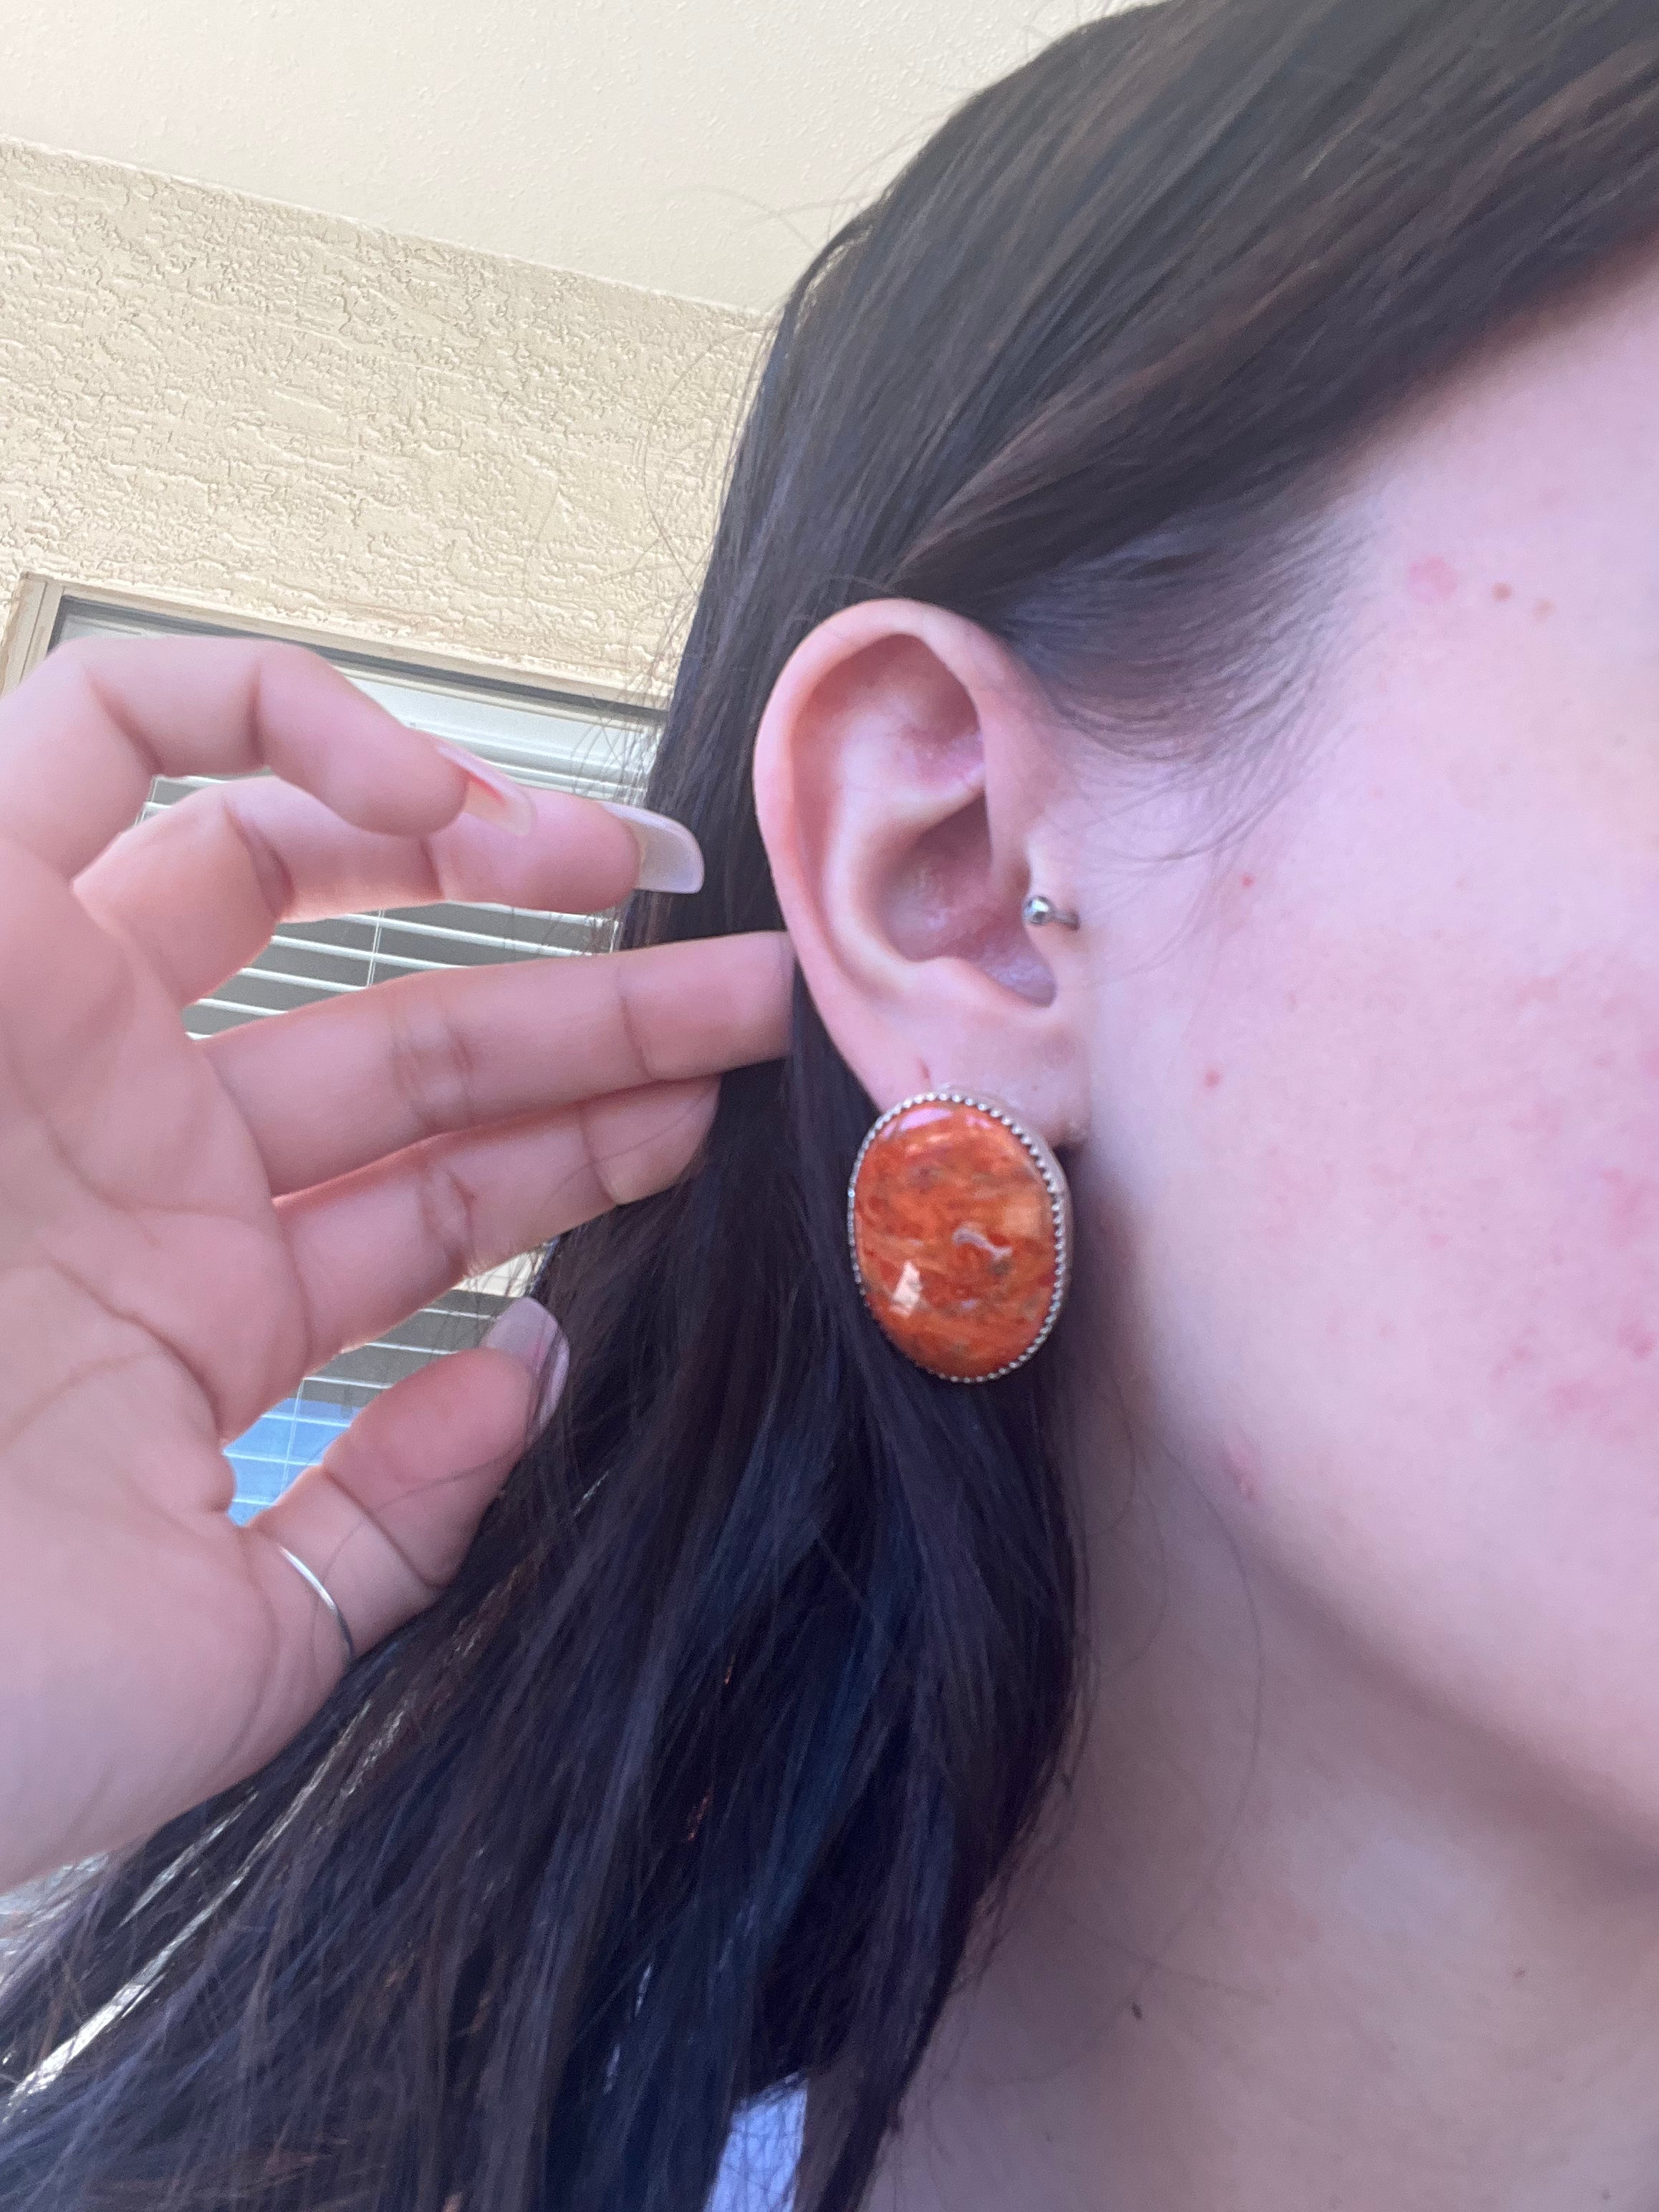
x=701 y=146
x=247 y=408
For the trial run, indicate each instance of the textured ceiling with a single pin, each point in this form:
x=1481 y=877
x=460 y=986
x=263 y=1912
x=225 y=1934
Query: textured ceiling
x=702 y=147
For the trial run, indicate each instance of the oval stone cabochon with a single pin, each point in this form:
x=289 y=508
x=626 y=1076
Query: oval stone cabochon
x=958 y=1239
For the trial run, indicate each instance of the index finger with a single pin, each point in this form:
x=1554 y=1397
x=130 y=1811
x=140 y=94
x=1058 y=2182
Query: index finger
x=200 y=887
x=82 y=736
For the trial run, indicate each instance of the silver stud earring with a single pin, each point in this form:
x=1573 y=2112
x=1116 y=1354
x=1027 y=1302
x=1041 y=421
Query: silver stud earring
x=1037 y=910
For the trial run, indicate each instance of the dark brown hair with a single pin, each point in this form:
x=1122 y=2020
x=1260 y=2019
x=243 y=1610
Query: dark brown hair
x=698 y=1777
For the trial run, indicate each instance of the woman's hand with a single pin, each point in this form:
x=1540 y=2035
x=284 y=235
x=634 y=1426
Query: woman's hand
x=186 y=1228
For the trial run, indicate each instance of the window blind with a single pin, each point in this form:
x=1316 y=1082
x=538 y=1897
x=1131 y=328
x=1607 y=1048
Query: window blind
x=543 y=741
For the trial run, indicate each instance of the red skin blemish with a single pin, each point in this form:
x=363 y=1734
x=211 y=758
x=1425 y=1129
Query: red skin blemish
x=1248 y=881
x=1543 y=610
x=1519 y=1355
x=1636 y=1340
x=1243 y=1465
x=1212 y=1077
x=1431 y=581
x=1502 y=591
x=1567 y=1400
x=1628 y=1205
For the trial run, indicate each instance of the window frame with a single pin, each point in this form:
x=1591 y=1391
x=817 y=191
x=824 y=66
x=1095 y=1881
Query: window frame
x=41 y=604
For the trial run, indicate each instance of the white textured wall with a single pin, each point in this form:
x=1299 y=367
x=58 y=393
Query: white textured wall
x=246 y=407
x=703 y=146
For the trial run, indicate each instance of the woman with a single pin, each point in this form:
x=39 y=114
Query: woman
x=1179 y=660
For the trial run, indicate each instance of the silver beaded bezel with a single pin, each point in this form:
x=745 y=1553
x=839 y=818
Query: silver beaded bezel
x=1060 y=1215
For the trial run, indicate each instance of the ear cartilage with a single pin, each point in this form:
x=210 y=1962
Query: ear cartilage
x=1037 y=910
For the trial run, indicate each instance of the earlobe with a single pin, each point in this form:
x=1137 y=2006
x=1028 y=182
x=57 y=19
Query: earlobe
x=900 y=782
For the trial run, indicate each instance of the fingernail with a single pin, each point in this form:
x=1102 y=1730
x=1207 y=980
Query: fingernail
x=671 y=859
x=490 y=795
x=527 y=1331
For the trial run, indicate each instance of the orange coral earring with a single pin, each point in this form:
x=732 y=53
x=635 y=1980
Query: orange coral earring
x=960 y=1224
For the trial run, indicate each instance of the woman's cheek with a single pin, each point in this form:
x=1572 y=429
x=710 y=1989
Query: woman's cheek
x=1406 y=1210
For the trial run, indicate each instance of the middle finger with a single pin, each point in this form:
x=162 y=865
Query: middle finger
x=373 y=1247
x=331 y=1088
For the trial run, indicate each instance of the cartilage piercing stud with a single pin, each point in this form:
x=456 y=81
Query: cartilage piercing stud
x=1037 y=910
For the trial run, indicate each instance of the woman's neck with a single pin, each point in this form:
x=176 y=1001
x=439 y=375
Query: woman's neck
x=1289 y=1940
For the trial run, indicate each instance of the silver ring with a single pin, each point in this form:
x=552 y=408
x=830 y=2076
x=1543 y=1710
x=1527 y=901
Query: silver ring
x=326 y=1595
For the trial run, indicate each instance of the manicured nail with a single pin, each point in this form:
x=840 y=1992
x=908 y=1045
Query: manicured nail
x=671 y=859
x=527 y=1331
x=490 y=795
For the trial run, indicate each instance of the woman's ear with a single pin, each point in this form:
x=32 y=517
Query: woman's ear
x=906 y=789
